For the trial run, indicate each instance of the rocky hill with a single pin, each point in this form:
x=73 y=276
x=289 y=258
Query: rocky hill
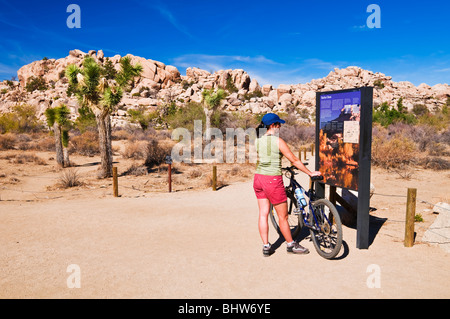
x=162 y=83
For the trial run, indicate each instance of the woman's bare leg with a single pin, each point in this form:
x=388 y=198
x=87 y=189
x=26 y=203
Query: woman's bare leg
x=263 y=224
x=282 y=212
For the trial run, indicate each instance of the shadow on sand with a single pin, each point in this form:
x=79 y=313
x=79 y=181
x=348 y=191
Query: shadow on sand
x=375 y=224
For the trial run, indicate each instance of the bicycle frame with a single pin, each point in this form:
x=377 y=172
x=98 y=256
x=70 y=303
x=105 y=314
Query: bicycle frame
x=293 y=184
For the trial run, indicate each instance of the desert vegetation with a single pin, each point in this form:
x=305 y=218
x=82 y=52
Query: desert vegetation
x=418 y=138
x=403 y=138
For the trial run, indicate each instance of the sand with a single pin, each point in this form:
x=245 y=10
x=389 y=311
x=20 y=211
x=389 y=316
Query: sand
x=196 y=243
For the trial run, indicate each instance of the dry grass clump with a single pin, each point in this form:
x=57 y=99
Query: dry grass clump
x=402 y=145
x=436 y=163
x=135 y=150
x=394 y=152
x=7 y=141
x=136 y=170
x=156 y=152
x=195 y=173
x=121 y=135
x=85 y=144
x=69 y=178
x=297 y=135
x=24 y=158
x=46 y=144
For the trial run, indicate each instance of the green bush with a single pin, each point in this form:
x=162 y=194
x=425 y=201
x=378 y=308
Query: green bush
x=143 y=118
x=386 y=115
x=22 y=119
x=379 y=84
x=36 y=83
x=185 y=116
x=230 y=87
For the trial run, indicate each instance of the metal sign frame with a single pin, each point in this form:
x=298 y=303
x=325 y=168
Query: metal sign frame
x=364 y=159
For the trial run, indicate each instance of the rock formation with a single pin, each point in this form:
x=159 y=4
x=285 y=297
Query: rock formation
x=161 y=83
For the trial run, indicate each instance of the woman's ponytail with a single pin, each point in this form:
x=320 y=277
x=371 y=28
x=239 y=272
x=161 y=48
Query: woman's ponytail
x=261 y=129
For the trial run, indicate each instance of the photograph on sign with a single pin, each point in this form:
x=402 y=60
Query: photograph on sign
x=339 y=138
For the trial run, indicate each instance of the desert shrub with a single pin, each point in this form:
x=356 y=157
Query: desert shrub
x=27 y=158
x=437 y=149
x=21 y=119
x=36 y=83
x=85 y=144
x=379 y=84
x=121 y=135
x=8 y=123
x=438 y=120
x=136 y=170
x=422 y=135
x=142 y=117
x=386 y=115
x=156 y=153
x=69 y=178
x=25 y=142
x=195 y=173
x=240 y=120
x=184 y=117
x=297 y=135
x=420 y=110
x=445 y=137
x=230 y=87
x=46 y=143
x=436 y=163
x=7 y=141
x=394 y=152
x=135 y=150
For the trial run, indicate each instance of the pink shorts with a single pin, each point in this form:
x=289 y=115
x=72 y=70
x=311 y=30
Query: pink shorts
x=270 y=187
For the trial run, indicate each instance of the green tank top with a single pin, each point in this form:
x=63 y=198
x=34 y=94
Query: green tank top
x=269 y=155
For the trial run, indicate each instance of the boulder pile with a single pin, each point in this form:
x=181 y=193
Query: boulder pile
x=160 y=83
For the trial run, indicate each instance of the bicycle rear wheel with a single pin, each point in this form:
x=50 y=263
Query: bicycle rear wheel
x=327 y=233
x=294 y=220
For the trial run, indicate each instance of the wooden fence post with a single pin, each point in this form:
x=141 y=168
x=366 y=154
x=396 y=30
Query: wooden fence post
x=214 y=178
x=170 y=178
x=410 y=213
x=115 y=183
x=304 y=153
x=312 y=149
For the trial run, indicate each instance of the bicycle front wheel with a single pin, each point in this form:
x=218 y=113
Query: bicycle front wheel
x=326 y=230
x=294 y=219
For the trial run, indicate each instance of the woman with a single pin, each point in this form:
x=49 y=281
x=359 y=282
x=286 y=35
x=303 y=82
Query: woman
x=268 y=181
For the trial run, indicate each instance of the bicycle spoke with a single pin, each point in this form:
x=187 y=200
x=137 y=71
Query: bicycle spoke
x=325 y=233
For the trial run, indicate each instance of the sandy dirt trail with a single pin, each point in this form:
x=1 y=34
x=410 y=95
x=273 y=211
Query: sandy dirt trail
x=194 y=244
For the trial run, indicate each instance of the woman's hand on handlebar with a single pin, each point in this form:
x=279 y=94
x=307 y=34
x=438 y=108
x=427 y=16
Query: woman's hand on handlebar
x=315 y=173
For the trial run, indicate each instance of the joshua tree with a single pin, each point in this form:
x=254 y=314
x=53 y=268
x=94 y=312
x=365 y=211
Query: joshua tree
x=211 y=100
x=58 y=120
x=101 y=96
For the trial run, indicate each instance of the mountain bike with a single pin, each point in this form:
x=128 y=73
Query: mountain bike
x=319 y=216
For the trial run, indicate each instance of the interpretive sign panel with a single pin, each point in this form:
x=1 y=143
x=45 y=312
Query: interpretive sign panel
x=343 y=146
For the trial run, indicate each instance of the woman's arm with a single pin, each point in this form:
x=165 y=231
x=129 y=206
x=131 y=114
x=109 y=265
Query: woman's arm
x=286 y=151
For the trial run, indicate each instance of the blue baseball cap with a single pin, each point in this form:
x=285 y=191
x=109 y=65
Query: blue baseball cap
x=271 y=118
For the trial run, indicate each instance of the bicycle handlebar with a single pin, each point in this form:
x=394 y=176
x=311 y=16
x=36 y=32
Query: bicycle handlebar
x=292 y=168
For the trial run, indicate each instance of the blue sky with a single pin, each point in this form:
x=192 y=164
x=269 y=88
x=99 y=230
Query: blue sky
x=276 y=42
